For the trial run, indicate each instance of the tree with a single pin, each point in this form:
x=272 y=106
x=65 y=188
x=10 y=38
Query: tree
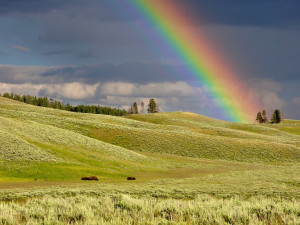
x=142 y=107
x=152 y=107
x=130 y=110
x=259 y=118
x=135 y=109
x=264 y=116
x=276 y=117
x=52 y=103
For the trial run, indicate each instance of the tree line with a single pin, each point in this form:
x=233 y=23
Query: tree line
x=277 y=117
x=51 y=103
x=153 y=107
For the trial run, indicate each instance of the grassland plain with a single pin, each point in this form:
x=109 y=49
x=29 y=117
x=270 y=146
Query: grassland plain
x=190 y=169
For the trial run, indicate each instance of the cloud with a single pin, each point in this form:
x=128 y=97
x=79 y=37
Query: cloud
x=24 y=74
x=233 y=12
x=20 y=48
x=293 y=109
x=76 y=27
x=118 y=85
x=171 y=96
x=165 y=89
x=26 y=88
x=268 y=92
x=75 y=91
x=266 y=13
x=31 y=6
x=271 y=53
x=133 y=72
x=58 y=52
x=258 y=38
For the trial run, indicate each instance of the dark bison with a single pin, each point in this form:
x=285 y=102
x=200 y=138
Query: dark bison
x=89 y=178
x=130 y=178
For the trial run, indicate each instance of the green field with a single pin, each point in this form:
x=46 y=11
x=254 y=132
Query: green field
x=190 y=169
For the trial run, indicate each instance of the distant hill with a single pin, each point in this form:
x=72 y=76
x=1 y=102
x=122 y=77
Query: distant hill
x=44 y=143
x=51 y=103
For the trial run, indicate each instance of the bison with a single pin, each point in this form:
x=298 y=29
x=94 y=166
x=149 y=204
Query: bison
x=89 y=178
x=130 y=178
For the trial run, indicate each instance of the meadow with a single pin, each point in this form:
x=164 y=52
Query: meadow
x=190 y=169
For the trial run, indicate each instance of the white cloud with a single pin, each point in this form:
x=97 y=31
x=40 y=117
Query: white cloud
x=73 y=90
x=118 y=88
x=163 y=89
x=171 y=96
x=27 y=88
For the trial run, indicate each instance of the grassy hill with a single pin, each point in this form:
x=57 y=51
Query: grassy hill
x=43 y=143
x=189 y=168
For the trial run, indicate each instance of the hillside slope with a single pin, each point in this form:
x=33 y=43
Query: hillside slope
x=43 y=143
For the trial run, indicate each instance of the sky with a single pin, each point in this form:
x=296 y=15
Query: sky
x=101 y=52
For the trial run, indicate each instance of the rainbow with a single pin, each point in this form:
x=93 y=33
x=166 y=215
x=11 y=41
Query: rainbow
x=234 y=99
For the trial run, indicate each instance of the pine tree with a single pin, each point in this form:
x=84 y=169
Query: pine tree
x=259 y=117
x=264 y=116
x=276 y=117
x=135 y=109
x=152 y=107
x=130 y=110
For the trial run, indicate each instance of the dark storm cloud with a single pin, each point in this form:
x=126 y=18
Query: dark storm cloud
x=232 y=12
x=29 y=6
x=138 y=72
x=255 y=12
x=58 y=52
x=258 y=36
x=258 y=52
x=102 y=10
x=61 y=27
x=134 y=72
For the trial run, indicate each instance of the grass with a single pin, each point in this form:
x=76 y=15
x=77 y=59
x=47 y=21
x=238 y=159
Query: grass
x=189 y=168
x=126 y=209
x=170 y=201
x=290 y=126
x=192 y=135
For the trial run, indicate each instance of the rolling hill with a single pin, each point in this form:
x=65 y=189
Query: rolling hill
x=53 y=145
x=189 y=168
